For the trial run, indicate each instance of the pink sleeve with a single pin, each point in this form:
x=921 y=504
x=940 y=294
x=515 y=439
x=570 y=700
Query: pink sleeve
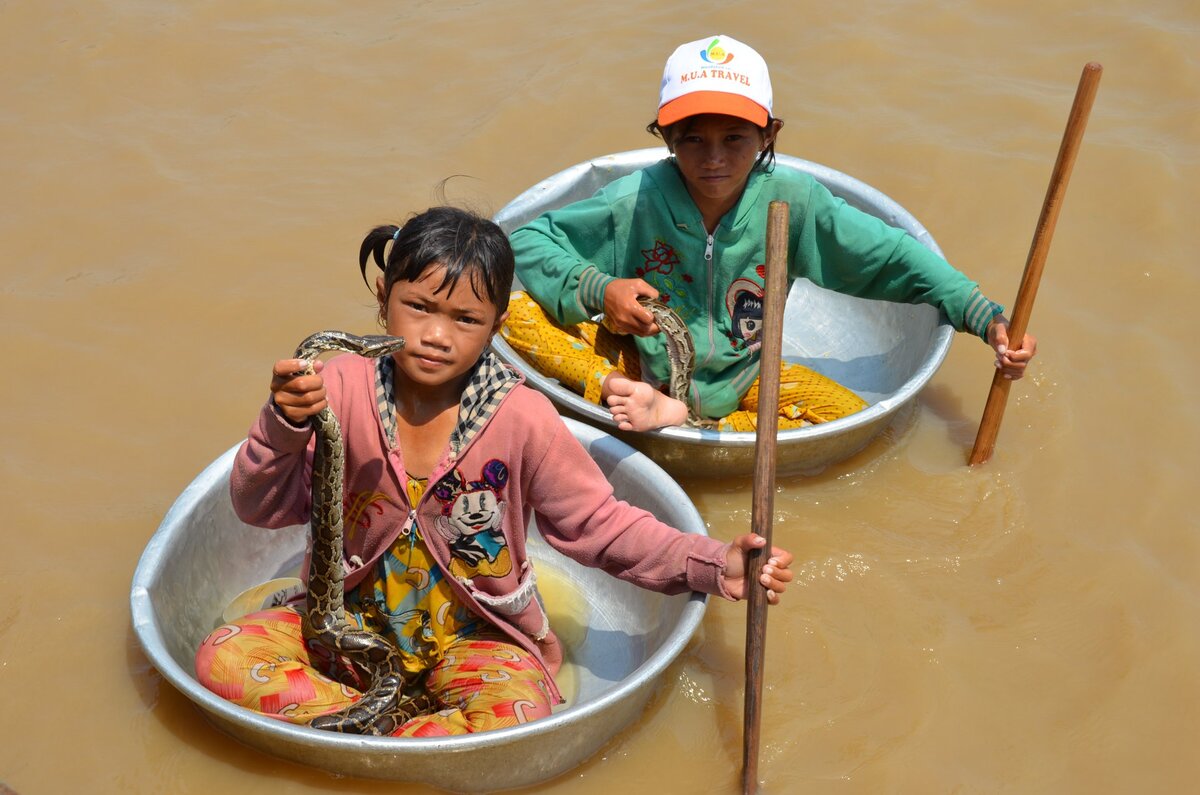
x=270 y=484
x=579 y=516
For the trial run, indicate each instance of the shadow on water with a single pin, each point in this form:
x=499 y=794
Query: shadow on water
x=187 y=723
x=945 y=403
x=877 y=452
x=183 y=719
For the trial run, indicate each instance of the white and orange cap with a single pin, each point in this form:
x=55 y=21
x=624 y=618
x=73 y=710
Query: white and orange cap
x=716 y=74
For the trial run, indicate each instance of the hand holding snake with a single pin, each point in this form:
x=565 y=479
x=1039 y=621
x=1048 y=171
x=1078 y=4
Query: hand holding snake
x=628 y=303
x=297 y=391
x=623 y=310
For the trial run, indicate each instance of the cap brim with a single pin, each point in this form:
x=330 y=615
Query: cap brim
x=698 y=102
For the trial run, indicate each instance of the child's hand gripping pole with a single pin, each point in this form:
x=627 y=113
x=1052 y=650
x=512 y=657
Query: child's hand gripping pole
x=993 y=412
x=762 y=511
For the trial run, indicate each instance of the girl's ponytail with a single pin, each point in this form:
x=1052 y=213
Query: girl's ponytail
x=374 y=245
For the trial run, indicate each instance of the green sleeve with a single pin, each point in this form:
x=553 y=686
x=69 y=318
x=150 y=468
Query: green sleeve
x=565 y=258
x=844 y=249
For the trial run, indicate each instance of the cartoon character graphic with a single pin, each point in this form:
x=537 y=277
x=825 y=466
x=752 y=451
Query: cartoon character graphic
x=744 y=301
x=470 y=521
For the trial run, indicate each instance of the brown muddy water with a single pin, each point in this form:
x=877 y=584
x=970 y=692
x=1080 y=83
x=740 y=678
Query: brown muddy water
x=184 y=189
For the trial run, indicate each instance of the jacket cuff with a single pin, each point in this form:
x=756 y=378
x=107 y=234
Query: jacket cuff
x=979 y=314
x=279 y=433
x=592 y=284
x=706 y=572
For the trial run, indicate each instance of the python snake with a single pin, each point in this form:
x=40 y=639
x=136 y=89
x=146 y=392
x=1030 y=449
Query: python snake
x=681 y=353
x=390 y=699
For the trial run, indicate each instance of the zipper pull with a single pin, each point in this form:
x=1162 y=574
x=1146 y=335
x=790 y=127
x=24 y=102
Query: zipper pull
x=708 y=247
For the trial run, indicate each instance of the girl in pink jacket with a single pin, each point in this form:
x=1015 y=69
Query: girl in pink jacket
x=447 y=456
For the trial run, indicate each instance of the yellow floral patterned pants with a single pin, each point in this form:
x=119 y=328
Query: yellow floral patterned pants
x=263 y=662
x=580 y=357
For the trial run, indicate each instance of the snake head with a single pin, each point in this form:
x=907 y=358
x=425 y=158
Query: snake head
x=372 y=346
x=376 y=346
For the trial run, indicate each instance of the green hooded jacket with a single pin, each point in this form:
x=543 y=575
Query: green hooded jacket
x=645 y=225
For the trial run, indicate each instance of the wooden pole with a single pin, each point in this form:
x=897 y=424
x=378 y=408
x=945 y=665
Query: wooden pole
x=993 y=412
x=762 y=513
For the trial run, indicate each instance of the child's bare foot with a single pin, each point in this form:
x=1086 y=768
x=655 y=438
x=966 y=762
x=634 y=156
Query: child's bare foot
x=637 y=406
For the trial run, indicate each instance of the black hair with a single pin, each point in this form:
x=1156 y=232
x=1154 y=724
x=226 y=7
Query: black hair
x=460 y=241
x=766 y=158
x=747 y=304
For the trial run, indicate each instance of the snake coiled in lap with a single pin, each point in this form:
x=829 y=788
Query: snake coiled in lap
x=389 y=699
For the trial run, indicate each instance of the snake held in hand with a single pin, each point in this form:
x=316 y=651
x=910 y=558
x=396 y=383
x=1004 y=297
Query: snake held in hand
x=389 y=699
x=681 y=353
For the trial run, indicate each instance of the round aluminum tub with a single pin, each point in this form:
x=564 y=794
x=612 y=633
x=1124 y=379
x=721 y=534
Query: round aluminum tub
x=619 y=638
x=885 y=352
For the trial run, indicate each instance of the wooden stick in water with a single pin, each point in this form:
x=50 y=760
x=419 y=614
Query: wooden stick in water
x=763 y=508
x=993 y=411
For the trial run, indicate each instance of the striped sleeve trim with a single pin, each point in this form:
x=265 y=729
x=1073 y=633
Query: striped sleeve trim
x=591 y=288
x=979 y=313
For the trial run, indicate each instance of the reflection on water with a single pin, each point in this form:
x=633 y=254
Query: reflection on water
x=185 y=187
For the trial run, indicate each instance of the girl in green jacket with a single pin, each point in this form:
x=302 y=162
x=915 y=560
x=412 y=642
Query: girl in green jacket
x=688 y=231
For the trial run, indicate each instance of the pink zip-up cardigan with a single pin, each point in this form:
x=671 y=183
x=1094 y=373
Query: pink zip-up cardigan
x=548 y=473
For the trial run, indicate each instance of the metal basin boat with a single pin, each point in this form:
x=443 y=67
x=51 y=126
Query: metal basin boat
x=619 y=638
x=885 y=352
